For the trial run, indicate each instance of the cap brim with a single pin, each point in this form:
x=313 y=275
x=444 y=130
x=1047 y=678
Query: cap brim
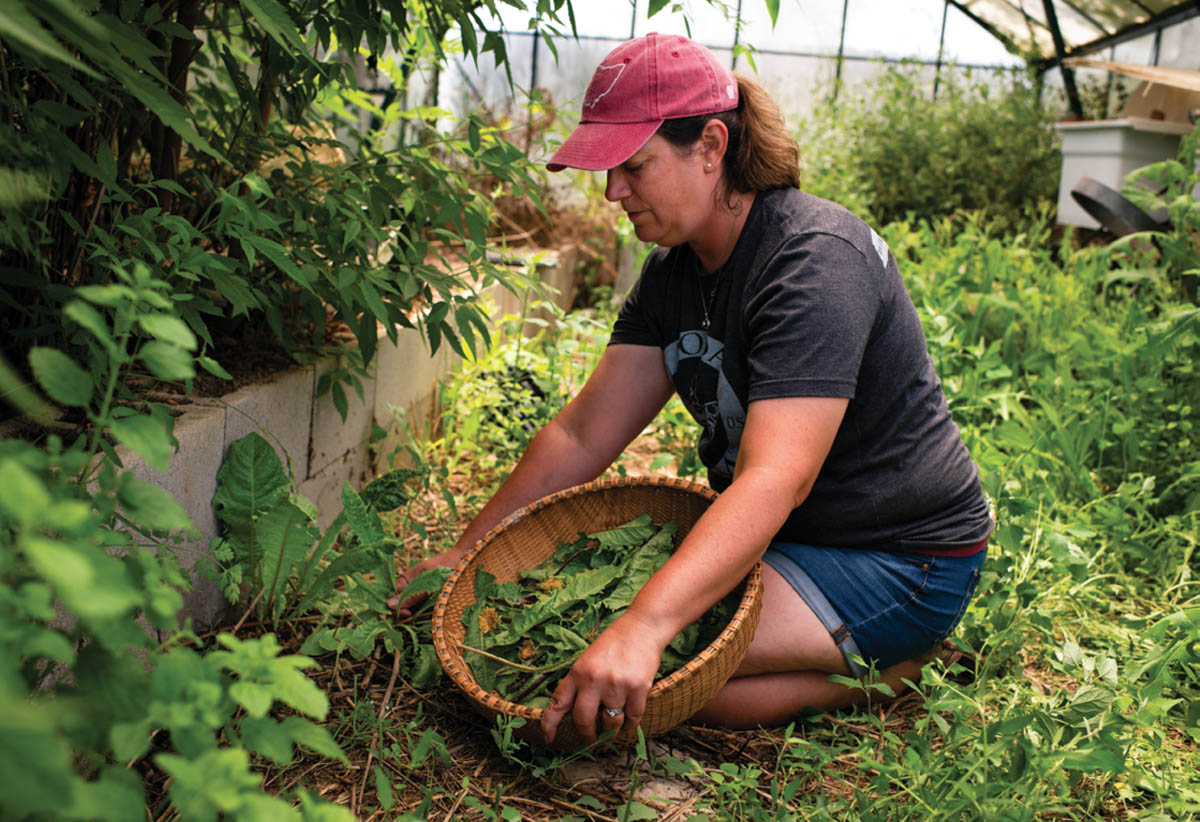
x=601 y=146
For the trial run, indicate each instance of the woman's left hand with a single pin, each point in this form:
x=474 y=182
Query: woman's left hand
x=614 y=674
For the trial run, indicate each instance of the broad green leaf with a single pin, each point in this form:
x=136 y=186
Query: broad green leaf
x=426 y=670
x=429 y=582
x=250 y=482
x=35 y=759
x=213 y=367
x=110 y=295
x=632 y=811
x=131 y=740
x=25 y=498
x=773 y=10
x=151 y=507
x=264 y=807
x=279 y=255
x=91 y=584
x=295 y=689
x=275 y=21
x=17 y=392
x=314 y=737
x=633 y=533
x=252 y=696
x=383 y=789
x=214 y=782
x=117 y=795
x=268 y=738
x=19 y=27
x=168 y=329
x=167 y=361
x=164 y=106
x=90 y=318
x=580 y=587
x=282 y=540
x=59 y=376
x=236 y=290
x=146 y=437
x=640 y=567
x=388 y=492
x=18 y=186
x=364 y=522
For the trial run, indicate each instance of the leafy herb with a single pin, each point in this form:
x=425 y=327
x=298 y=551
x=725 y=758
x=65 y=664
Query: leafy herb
x=519 y=633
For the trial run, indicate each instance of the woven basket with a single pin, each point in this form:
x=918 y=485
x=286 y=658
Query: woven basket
x=528 y=536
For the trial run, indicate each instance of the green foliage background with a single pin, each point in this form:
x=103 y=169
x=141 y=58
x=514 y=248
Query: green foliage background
x=898 y=152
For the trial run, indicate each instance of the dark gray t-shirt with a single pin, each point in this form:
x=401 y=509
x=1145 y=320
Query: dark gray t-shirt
x=811 y=304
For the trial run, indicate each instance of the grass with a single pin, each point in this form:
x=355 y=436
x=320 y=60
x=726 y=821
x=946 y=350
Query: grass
x=1077 y=393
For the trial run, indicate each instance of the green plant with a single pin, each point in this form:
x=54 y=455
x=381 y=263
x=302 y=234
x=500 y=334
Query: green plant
x=1167 y=188
x=91 y=591
x=149 y=224
x=900 y=154
x=275 y=562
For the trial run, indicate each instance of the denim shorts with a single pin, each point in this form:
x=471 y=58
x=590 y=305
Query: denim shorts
x=882 y=606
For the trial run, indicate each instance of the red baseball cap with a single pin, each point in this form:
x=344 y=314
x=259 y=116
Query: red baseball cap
x=640 y=84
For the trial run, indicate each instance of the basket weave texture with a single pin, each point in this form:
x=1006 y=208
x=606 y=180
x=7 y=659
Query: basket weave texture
x=530 y=535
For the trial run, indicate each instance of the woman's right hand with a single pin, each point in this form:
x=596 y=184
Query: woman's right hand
x=447 y=559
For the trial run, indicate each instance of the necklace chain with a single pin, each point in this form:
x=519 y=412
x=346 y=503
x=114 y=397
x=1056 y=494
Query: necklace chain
x=730 y=244
x=706 y=299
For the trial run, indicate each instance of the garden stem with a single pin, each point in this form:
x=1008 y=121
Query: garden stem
x=527 y=668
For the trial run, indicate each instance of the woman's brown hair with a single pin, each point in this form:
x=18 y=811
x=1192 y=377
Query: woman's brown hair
x=761 y=154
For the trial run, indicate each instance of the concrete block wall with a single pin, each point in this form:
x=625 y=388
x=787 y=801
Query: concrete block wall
x=323 y=451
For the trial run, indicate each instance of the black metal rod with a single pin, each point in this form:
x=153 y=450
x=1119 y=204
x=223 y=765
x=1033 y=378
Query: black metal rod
x=737 y=35
x=533 y=72
x=937 y=74
x=837 y=80
x=1108 y=86
x=1068 y=74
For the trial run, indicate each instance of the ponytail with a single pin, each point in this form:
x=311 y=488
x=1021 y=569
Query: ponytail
x=761 y=154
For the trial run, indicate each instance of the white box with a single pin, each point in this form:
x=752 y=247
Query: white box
x=1106 y=151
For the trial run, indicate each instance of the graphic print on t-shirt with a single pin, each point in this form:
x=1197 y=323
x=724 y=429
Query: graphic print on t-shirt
x=694 y=365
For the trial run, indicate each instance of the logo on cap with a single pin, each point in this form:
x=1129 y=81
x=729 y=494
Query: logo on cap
x=619 y=68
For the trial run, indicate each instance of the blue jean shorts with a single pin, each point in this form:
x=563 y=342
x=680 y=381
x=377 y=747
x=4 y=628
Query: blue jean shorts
x=881 y=606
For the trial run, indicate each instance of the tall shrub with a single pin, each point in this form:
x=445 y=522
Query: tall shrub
x=900 y=152
x=169 y=178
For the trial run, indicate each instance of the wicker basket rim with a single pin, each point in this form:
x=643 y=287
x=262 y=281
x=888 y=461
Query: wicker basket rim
x=752 y=591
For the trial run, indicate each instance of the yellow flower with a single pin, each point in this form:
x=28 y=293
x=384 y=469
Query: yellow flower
x=551 y=584
x=528 y=651
x=488 y=620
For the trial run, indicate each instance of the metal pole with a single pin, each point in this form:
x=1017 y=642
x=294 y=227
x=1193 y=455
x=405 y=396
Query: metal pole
x=533 y=71
x=1157 y=46
x=1068 y=74
x=937 y=72
x=1108 y=86
x=737 y=33
x=632 y=17
x=837 y=80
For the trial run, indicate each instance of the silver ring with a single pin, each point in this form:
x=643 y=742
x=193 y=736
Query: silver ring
x=614 y=712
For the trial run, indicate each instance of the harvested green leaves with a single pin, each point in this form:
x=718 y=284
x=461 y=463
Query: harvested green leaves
x=522 y=636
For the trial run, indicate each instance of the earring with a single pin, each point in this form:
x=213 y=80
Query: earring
x=708 y=166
